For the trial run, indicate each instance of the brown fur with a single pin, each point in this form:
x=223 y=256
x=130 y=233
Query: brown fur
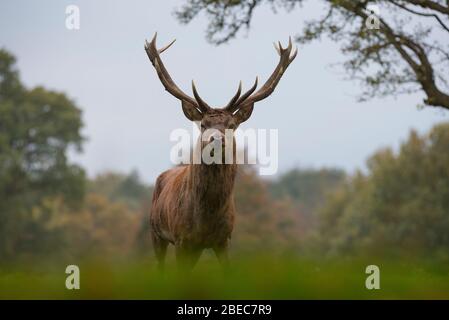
x=191 y=215
x=193 y=205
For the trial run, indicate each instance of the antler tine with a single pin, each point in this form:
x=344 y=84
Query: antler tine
x=235 y=97
x=167 y=46
x=280 y=49
x=290 y=45
x=232 y=107
x=203 y=105
x=245 y=96
x=168 y=83
x=277 y=48
x=293 y=56
x=284 y=61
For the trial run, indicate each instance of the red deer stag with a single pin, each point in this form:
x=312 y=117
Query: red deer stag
x=193 y=205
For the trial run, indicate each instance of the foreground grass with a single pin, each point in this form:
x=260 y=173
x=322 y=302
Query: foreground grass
x=259 y=277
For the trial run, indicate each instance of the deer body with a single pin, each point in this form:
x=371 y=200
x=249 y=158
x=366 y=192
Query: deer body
x=193 y=205
x=200 y=216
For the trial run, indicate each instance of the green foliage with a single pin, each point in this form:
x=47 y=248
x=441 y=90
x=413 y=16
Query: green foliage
x=99 y=228
x=37 y=128
x=262 y=221
x=400 y=206
x=43 y=208
x=307 y=187
x=128 y=189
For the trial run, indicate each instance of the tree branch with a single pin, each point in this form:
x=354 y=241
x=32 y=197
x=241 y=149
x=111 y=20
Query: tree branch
x=427 y=4
x=421 y=14
x=422 y=69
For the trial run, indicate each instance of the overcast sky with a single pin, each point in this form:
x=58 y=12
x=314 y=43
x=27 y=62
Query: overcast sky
x=128 y=116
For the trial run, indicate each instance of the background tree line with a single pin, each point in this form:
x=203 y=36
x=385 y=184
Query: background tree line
x=50 y=208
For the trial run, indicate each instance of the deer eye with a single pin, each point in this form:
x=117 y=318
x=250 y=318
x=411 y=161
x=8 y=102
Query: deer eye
x=231 y=126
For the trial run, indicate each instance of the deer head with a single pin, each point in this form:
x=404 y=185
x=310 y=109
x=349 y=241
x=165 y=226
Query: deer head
x=238 y=109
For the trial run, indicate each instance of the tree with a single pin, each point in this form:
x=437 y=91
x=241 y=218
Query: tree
x=395 y=207
x=307 y=187
x=262 y=222
x=130 y=191
x=127 y=189
x=401 y=56
x=99 y=228
x=37 y=128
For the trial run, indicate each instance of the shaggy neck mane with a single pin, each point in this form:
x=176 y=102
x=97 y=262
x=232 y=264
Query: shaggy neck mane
x=212 y=184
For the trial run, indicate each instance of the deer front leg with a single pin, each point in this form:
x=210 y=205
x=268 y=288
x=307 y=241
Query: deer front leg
x=187 y=256
x=222 y=253
x=160 y=250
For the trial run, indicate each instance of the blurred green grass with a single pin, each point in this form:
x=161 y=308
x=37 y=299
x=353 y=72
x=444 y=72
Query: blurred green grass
x=251 y=277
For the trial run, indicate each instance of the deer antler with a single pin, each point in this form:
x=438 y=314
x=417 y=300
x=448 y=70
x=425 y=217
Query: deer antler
x=286 y=57
x=235 y=97
x=154 y=55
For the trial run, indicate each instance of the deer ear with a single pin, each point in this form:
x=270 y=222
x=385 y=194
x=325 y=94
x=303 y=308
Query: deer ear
x=244 y=112
x=191 y=112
